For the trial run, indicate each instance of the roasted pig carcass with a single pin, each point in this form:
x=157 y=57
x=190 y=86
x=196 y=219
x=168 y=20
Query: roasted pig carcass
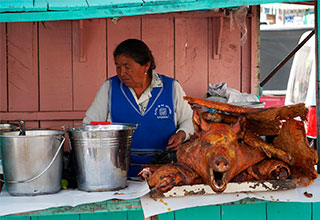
x=214 y=154
x=265 y=170
x=292 y=139
x=258 y=114
x=227 y=147
x=174 y=174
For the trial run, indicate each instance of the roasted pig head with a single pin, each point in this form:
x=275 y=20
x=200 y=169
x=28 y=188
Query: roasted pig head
x=215 y=153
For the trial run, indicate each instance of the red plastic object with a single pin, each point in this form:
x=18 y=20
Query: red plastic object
x=311 y=122
x=100 y=123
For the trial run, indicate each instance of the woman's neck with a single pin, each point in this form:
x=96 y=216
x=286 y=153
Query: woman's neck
x=145 y=84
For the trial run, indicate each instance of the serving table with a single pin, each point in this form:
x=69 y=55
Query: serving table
x=272 y=206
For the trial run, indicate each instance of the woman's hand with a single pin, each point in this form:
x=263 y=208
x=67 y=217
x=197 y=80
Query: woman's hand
x=175 y=140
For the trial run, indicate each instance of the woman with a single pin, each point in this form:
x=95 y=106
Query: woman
x=139 y=95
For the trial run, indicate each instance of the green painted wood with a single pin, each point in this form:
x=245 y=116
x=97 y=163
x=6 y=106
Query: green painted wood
x=315 y=211
x=40 y=5
x=113 y=3
x=166 y=216
x=54 y=217
x=106 y=206
x=122 y=8
x=105 y=216
x=13 y=217
x=135 y=215
x=317 y=18
x=203 y=213
x=14 y=5
x=67 y=5
x=288 y=211
x=244 y=212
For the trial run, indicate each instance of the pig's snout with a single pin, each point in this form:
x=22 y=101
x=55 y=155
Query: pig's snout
x=221 y=165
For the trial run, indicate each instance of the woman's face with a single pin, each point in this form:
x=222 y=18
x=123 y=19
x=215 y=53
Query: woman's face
x=131 y=73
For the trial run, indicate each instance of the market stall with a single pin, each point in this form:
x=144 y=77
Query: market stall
x=46 y=111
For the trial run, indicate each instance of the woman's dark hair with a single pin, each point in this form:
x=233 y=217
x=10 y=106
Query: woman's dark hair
x=137 y=50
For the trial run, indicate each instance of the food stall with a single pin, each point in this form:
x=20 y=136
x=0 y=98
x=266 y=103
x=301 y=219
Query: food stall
x=50 y=51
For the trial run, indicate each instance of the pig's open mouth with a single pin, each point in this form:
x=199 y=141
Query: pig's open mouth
x=217 y=181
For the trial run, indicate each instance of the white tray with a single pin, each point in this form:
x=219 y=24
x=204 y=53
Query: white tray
x=232 y=187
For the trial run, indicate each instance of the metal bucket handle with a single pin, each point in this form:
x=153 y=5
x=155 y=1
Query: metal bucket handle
x=37 y=176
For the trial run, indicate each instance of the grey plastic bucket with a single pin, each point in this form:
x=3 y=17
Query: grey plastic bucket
x=101 y=154
x=32 y=164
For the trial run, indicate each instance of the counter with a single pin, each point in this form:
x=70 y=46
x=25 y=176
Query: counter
x=248 y=206
x=246 y=209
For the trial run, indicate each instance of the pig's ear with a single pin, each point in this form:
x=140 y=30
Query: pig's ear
x=198 y=122
x=239 y=125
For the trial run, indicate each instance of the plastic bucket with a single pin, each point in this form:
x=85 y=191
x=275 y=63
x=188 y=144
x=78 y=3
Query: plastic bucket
x=32 y=164
x=101 y=154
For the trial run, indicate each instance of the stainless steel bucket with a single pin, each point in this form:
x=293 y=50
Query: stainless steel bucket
x=32 y=164
x=101 y=155
x=5 y=128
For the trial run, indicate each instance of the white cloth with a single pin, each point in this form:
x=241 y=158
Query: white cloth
x=231 y=95
x=157 y=206
x=99 y=109
x=17 y=204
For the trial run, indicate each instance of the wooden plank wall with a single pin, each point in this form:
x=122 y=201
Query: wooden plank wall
x=51 y=71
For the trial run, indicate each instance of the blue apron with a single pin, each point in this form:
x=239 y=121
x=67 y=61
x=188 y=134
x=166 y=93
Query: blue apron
x=155 y=127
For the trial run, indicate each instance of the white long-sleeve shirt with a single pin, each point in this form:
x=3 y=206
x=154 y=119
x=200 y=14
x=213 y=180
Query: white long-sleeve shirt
x=99 y=109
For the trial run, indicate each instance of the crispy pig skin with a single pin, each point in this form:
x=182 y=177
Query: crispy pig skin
x=292 y=139
x=267 y=128
x=255 y=141
x=170 y=175
x=265 y=170
x=279 y=113
x=219 y=105
x=257 y=114
x=218 y=142
x=219 y=118
x=227 y=146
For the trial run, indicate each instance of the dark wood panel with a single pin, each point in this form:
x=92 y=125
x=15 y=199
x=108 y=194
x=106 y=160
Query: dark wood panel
x=23 y=66
x=191 y=55
x=162 y=46
x=89 y=60
x=250 y=71
x=3 y=68
x=55 y=61
x=49 y=115
x=228 y=67
x=118 y=31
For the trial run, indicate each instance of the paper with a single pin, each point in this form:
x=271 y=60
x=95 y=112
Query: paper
x=157 y=206
x=13 y=204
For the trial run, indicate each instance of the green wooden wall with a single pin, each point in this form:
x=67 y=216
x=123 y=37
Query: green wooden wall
x=260 y=210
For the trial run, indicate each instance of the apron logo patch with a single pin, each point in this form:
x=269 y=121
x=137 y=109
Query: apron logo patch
x=162 y=111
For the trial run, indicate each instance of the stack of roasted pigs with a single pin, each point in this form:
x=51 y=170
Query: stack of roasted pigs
x=230 y=145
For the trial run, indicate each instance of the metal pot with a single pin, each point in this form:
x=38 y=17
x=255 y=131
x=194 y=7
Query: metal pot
x=102 y=155
x=32 y=163
x=6 y=128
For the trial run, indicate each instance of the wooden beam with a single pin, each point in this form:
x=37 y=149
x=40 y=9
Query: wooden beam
x=3 y=69
x=38 y=116
x=65 y=11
